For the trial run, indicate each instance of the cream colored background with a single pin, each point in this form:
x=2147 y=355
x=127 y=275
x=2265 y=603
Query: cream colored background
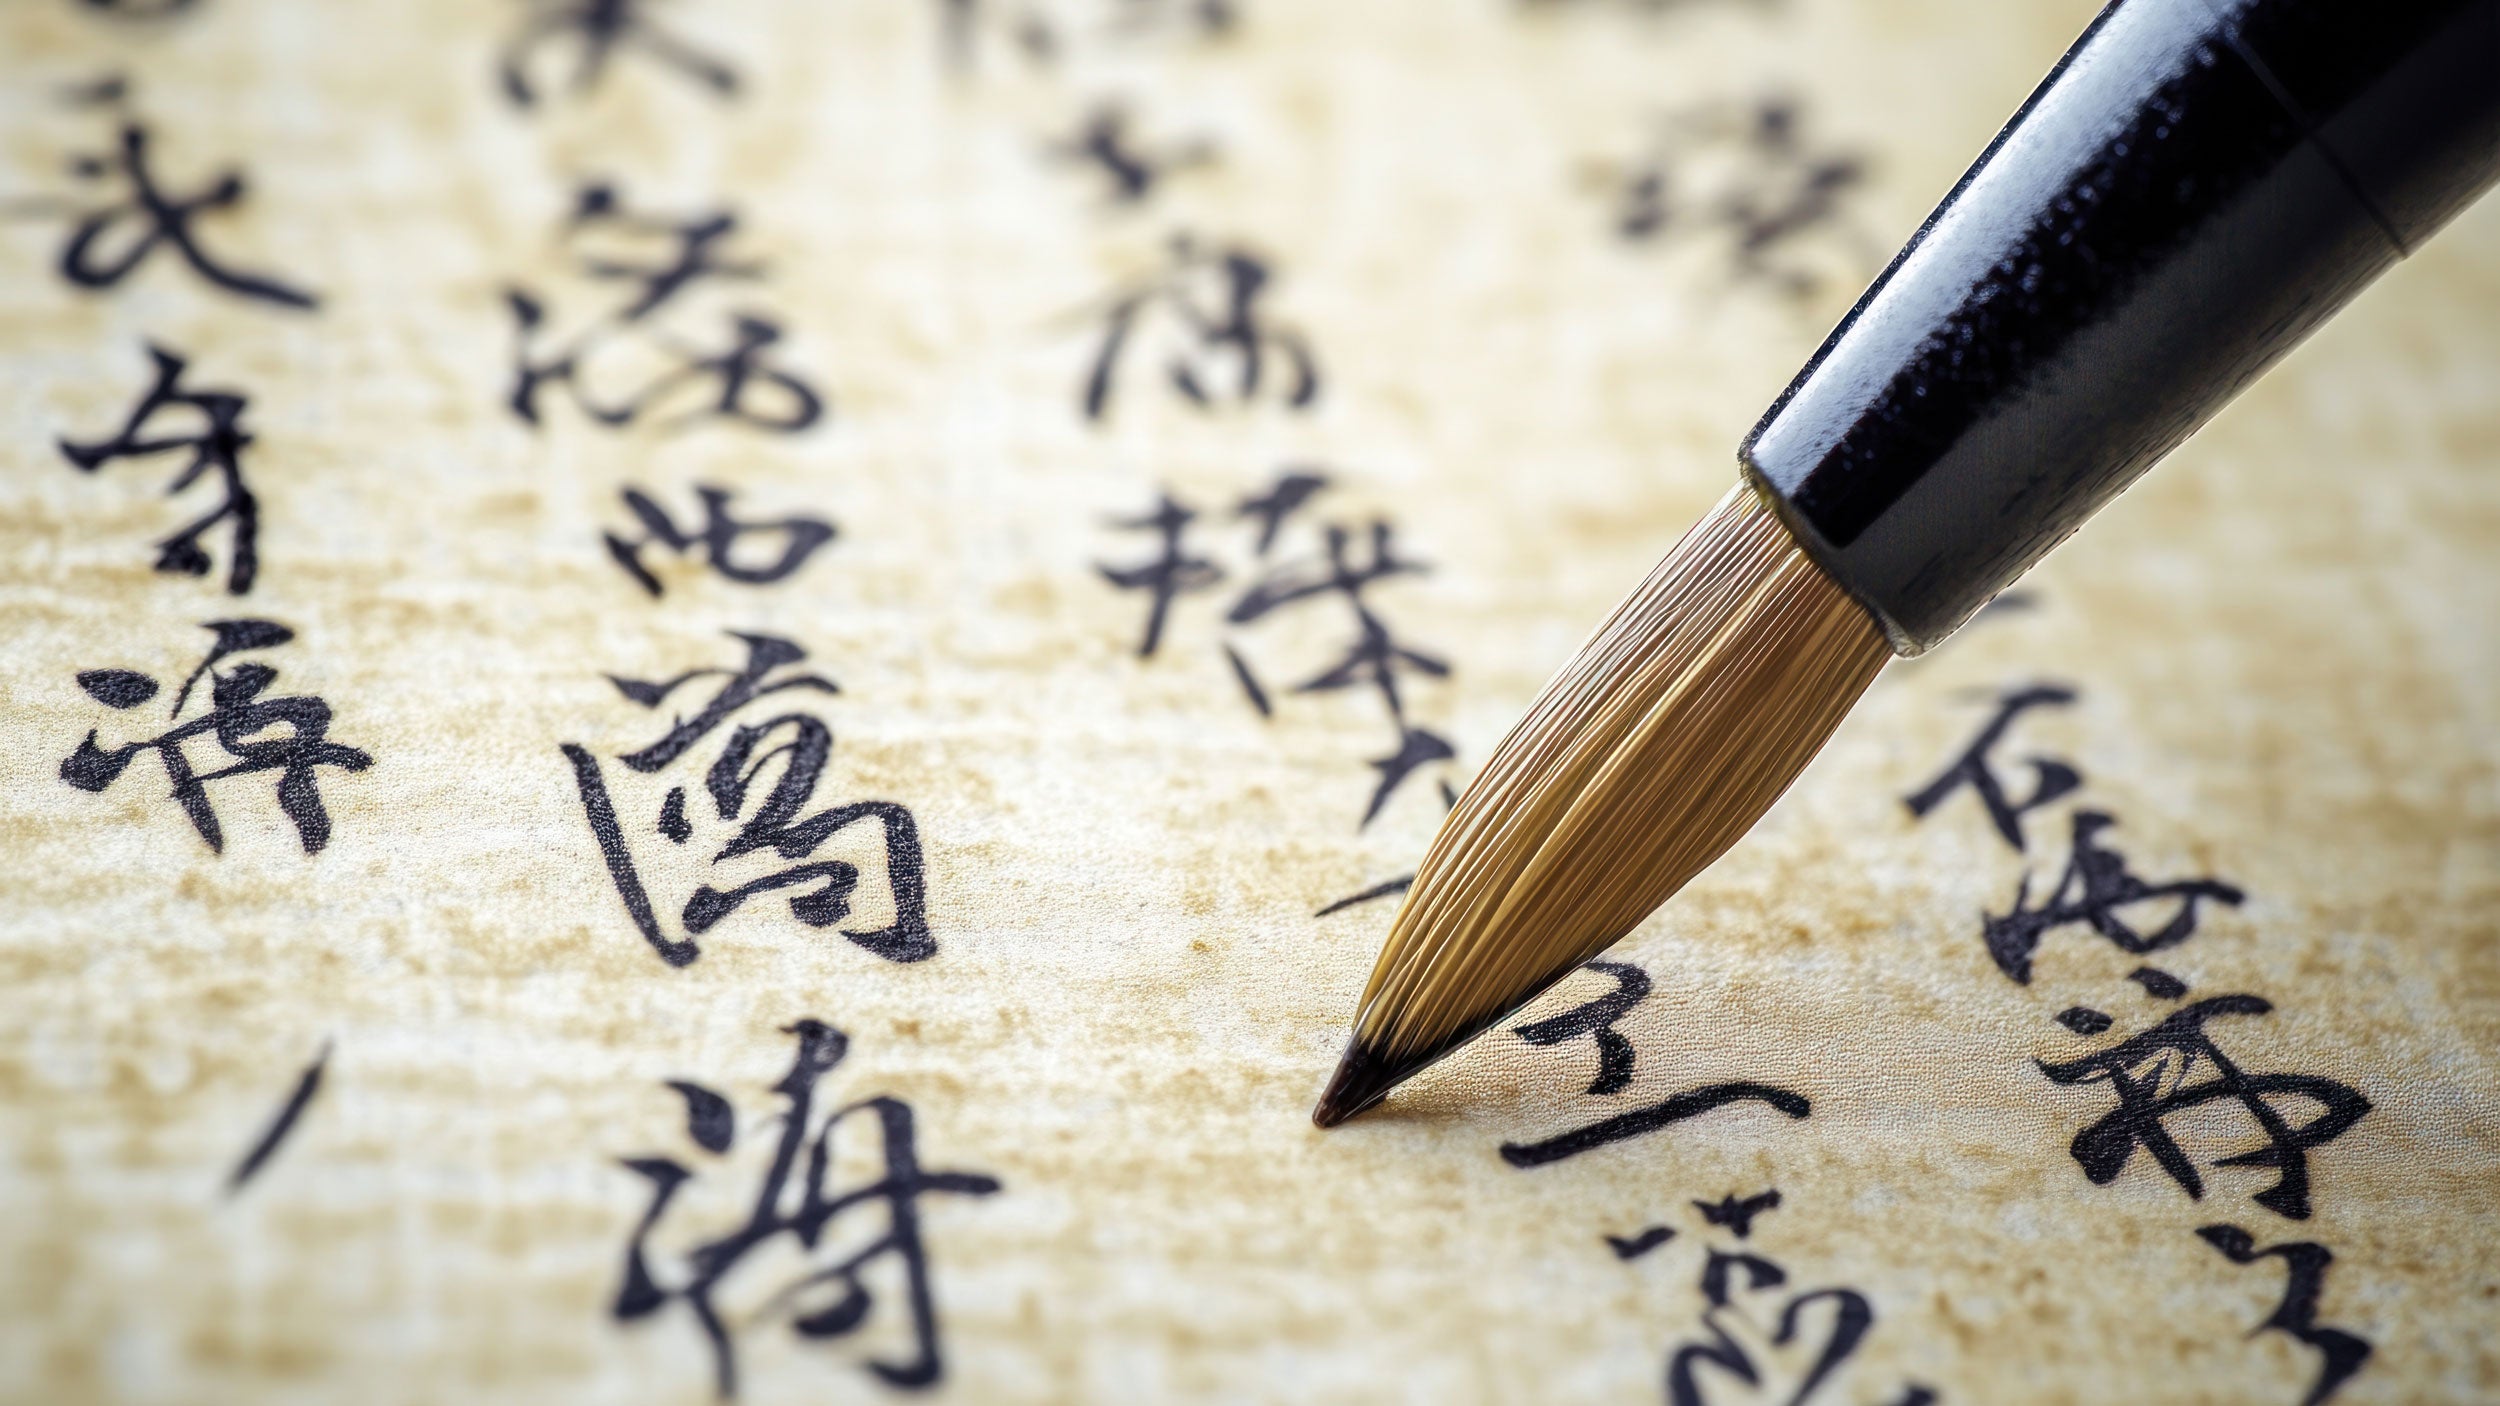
x=2284 y=639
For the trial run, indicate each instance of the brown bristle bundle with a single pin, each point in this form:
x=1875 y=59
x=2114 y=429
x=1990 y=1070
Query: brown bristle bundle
x=1660 y=744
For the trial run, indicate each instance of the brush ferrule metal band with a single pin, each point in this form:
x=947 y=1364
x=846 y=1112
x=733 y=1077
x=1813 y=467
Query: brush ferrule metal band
x=2194 y=188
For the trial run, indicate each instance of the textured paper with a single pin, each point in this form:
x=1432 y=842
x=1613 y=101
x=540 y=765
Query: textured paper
x=2281 y=646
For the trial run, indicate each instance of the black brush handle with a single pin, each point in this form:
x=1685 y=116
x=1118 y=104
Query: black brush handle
x=2192 y=190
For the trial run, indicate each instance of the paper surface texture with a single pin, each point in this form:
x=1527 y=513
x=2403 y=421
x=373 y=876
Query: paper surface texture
x=1099 y=471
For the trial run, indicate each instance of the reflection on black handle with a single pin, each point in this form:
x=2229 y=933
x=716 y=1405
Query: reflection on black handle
x=2194 y=188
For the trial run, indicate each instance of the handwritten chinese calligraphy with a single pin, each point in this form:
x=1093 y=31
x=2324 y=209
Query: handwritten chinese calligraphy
x=2176 y=1067
x=827 y=1295
x=2095 y=886
x=1640 y=1122
x=716 y=540
x=1596 y=1019
x=2154 y=1076
x=1975 y=768
x=803 y=744
x=1349 y=564
x=237 y=717
x=660 y=261
x=109 y=242
x=1216 y=341
x=2304 y=1279
x=216 y=447
x=1754 y=1332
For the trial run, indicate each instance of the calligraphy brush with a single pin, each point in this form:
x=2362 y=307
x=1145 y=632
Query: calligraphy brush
x=2194 y=188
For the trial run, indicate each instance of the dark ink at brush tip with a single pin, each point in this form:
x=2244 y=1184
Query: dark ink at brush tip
x=1363 y=1078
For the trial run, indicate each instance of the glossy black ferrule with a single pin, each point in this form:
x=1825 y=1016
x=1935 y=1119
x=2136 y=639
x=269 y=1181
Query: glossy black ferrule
x=2192 y=190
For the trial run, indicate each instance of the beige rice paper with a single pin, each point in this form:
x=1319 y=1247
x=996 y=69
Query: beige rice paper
x=971 y=1043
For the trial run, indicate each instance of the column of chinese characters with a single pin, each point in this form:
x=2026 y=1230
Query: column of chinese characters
x=2177 y=1063
x=2096 y=886
x=731 y=782
x=108 y=241
x=1757 y=1338
x=816 y=1284
x=1202 y=318
x=140 y=204
x=141 y=219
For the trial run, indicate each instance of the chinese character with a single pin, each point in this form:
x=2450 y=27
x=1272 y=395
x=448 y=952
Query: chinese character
x=659 y=260
x=2304 y=1265
x=826 y=1295
x=1642 y=1121
x=2168 y=1056
x=602 y=29
x=718 y=538
x=1386 y=888
x=239 y=718
x=1780 y=1346
x=1597 y=1018
x=216 y=446
x=1745 y=175
x=109 y=242
x=736 y=371
x=1736 y=1345
x=1216 y=344
x=803 y=745
x=1132 y=170
x=2051 y=778
x=1374 y=660
x=2094 y=887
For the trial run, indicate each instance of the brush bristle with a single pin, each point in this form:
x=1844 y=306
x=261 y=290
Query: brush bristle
x=1663 y=740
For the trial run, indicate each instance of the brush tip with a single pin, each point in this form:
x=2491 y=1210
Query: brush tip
x=1364 y=1077
x=1658 y=745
